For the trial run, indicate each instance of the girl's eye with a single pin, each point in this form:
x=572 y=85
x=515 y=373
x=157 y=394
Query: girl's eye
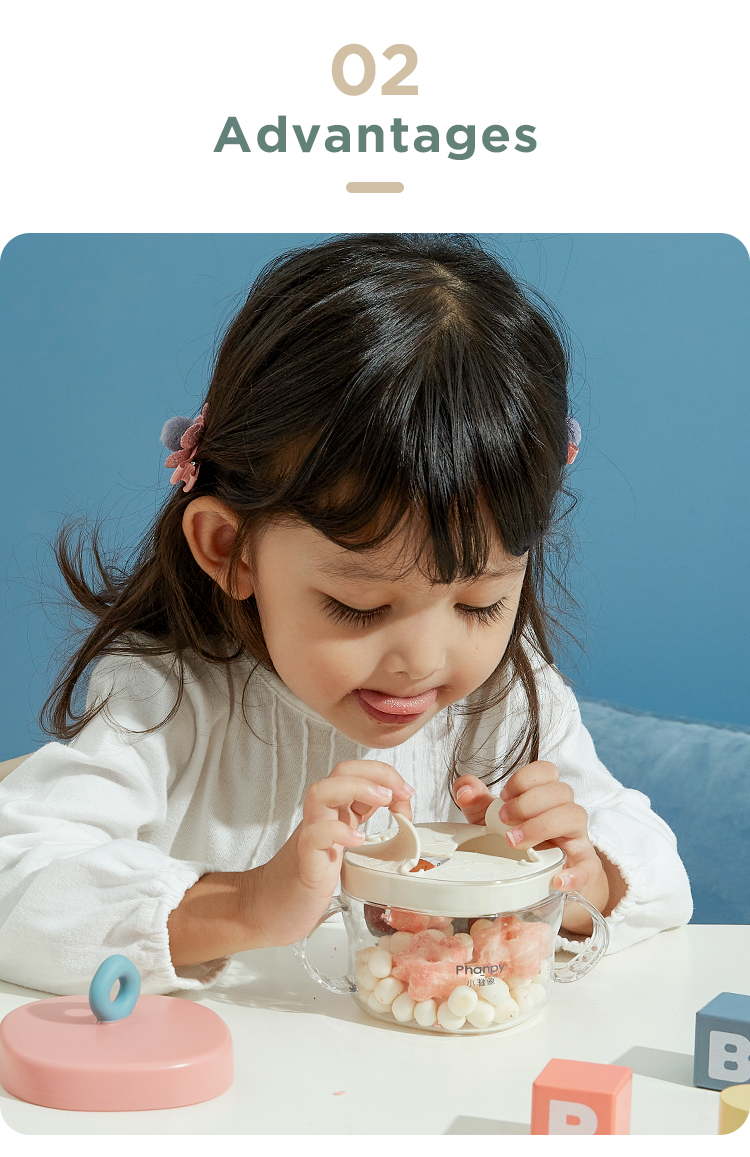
x=489 y=614
x=341 y=613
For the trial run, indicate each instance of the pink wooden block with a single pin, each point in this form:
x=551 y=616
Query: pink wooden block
x=581 y=1097
x=167 y=1052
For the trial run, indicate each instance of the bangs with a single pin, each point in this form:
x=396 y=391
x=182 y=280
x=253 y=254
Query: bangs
x=443 y=452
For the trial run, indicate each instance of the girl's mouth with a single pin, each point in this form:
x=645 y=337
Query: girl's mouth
x=394 y=709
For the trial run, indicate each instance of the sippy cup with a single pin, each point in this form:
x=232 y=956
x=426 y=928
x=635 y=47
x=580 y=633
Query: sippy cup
x=452 y=930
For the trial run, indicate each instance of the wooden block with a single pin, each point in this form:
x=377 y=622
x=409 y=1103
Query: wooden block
x=734 y=1108
x=722 y=1042
x=581 y=1097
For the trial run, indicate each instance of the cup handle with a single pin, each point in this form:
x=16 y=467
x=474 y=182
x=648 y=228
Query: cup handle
x=593 y=948
x=339 y=984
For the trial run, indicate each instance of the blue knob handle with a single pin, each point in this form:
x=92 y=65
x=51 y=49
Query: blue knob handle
x=114 y=968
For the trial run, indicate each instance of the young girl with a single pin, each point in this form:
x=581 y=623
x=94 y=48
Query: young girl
x=338 y=610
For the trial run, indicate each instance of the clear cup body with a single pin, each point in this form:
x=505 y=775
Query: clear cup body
x=463 y=975
x=458 y=975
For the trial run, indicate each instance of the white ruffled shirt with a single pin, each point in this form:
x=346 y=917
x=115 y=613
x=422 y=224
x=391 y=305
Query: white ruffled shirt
x=100 y=838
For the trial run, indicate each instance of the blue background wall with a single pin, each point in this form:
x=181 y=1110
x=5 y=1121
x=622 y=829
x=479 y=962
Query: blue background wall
x=104 y=337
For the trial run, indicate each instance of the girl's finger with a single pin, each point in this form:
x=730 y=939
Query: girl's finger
x=381 y=773
x=473 y=797
x=324 y=835
x=319 y=846
x=580 y=869
x=535 y=801
x=532 y=775
x=328 y=796
x=364 y=813
x=566 y=822
x=403 y=807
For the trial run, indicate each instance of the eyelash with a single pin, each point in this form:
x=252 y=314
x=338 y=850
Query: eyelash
x=483 y=615
x=341 y=613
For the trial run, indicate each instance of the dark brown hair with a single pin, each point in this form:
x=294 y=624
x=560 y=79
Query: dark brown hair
x=364 y=379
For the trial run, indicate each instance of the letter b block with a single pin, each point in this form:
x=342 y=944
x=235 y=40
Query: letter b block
x=581 y=1097
x=722 y=1042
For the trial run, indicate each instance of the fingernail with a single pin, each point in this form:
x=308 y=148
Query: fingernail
x=358 y=836
x=503 y=813
x=462 y=792
x=409 y=790
x=504 y=793
x=384 y=793
x=515 y=836
x=562 y=882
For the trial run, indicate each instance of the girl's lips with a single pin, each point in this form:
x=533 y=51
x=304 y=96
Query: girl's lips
x=394 y=708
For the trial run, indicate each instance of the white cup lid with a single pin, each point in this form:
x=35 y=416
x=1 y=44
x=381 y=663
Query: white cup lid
x=476 y=872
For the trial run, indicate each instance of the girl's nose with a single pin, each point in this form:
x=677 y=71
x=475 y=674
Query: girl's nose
x=416 y=655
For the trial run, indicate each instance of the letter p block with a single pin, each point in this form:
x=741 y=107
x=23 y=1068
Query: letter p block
x=722 y=1042
x=579 y=1097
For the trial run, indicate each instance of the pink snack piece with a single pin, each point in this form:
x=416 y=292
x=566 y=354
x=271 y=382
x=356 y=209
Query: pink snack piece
x=490 y=947
x=518 y=946
x=529 y=944
x=428 y=966
x=405 y=921
x=432 y=981
x=428 y=948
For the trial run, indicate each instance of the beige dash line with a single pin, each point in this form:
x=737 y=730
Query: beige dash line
x=374 y=187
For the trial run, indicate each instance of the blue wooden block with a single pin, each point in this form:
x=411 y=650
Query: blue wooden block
x=722 y=1042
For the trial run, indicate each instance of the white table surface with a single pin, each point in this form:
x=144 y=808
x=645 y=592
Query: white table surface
x=309 y=1062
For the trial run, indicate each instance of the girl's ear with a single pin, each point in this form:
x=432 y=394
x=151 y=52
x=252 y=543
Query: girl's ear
x=210 y=528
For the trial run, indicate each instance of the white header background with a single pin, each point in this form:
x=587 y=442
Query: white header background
x=110 y=114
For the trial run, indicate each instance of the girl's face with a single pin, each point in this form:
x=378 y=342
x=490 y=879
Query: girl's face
x=375 y=654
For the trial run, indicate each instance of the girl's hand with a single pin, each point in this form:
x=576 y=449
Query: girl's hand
x=541 y=811
x=280 y=902
x=292 y=891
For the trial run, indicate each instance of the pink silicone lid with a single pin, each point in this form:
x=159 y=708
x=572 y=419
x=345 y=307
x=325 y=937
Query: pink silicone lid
x=168 y=1052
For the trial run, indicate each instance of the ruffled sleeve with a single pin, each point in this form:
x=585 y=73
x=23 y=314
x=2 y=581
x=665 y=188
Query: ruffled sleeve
x=621 y=825
x=81 y=872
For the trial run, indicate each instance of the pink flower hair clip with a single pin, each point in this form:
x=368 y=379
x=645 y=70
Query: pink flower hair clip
x=574 y=439
x=183 y=436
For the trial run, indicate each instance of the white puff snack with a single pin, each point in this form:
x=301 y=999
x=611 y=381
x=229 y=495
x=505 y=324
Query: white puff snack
x=497 y=992
x=384 y=943
x=505 y=1011
x=374 y=1004
x=387 y=989
x=379 y=963
x=523 y=998
x=537 y=992
x=400 y=941
x=403 y=1008
x=365 y=980
x=462 y=1001
x=436 y=934
x=480 y=925
x=425 y=1013
x=448 y=1020
x=482 y=1016
x=467 y=940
